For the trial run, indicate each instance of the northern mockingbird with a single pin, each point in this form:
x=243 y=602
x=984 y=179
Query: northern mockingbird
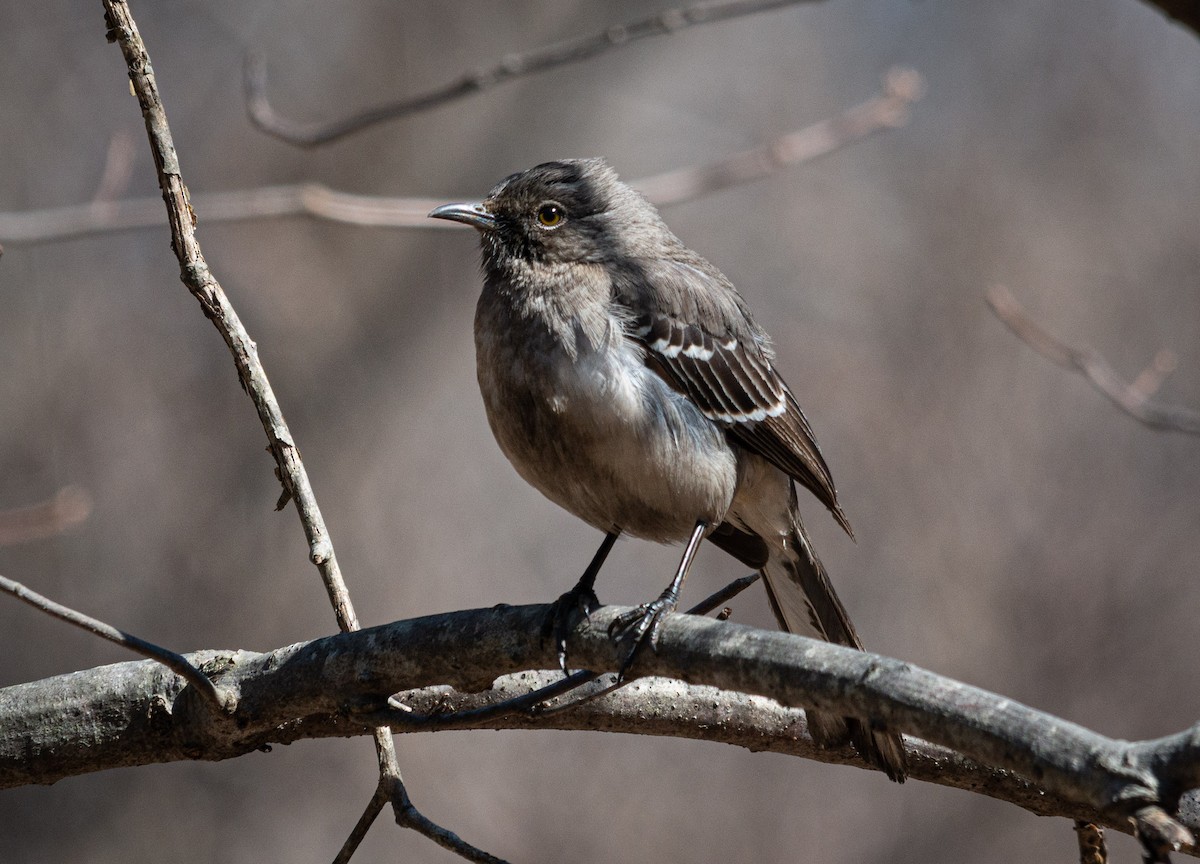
x=625 y=379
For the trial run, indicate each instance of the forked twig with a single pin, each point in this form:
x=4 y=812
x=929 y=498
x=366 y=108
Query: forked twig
x=204 y=287
x=391 y=788
x=177 y=663
x=510 y=66
x=1134 y=399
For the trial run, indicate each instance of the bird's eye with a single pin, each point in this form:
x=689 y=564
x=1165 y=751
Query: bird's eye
x=550 y=215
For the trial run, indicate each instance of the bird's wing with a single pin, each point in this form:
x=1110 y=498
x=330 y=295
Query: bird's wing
x=699 y=337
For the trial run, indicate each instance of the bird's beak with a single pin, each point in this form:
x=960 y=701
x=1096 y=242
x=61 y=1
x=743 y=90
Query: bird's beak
x=474 y=214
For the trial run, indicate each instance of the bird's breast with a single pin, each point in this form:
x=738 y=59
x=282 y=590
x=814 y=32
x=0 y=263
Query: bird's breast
x=581 y=418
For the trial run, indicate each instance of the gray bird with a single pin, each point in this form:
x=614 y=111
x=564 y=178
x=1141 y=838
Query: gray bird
x=624 y=378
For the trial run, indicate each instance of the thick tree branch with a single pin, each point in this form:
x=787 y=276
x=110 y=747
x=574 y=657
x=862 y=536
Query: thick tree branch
x=537 y=699
x=888 y=110
x=1134 y=399
x=666 y=707
x=511 y=66
x=136 y=713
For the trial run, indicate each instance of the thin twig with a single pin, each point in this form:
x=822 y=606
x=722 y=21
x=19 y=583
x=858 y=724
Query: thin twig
x=901 y=88
x=268 y=202
x=715 y=599
x=177 y=663
x=511 y=66
x=1133 y=399
x=391 y=788
x=885 y=111
x=69 y=506
x=365 y=821
x=204 y=287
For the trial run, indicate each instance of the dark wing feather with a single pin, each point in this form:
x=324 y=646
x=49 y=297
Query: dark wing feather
x=699 y=337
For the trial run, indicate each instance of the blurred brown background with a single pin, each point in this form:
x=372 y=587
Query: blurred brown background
x=1015 y=531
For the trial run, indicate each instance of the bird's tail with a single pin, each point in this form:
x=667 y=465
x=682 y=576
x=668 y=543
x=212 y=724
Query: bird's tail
x=804 y=601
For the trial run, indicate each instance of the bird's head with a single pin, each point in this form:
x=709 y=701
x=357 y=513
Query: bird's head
x=568 y=212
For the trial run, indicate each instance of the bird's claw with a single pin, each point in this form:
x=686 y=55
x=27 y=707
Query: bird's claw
x=560 y=620
x=640 y=627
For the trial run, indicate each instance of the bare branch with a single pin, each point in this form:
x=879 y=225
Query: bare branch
x=902 y=87
x=268 y=202
x=365 y=821
x=664 y=707
x=886 y=111
x=533 y=701
x=391 y=789
x=222 y=698
x=69 y=506
x=304 y=691
x=204 y=287
x=408 y=816
x=511 y=66
x=1133 y=399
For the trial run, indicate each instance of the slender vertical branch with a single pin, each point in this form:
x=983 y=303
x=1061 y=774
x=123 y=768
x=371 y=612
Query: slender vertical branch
x=204 y=287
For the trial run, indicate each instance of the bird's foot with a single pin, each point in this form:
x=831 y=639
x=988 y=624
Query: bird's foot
x=639 y=627
x=564 y=613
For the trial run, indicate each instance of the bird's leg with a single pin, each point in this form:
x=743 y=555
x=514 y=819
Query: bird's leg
x=582 y=599
x=640 y=626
